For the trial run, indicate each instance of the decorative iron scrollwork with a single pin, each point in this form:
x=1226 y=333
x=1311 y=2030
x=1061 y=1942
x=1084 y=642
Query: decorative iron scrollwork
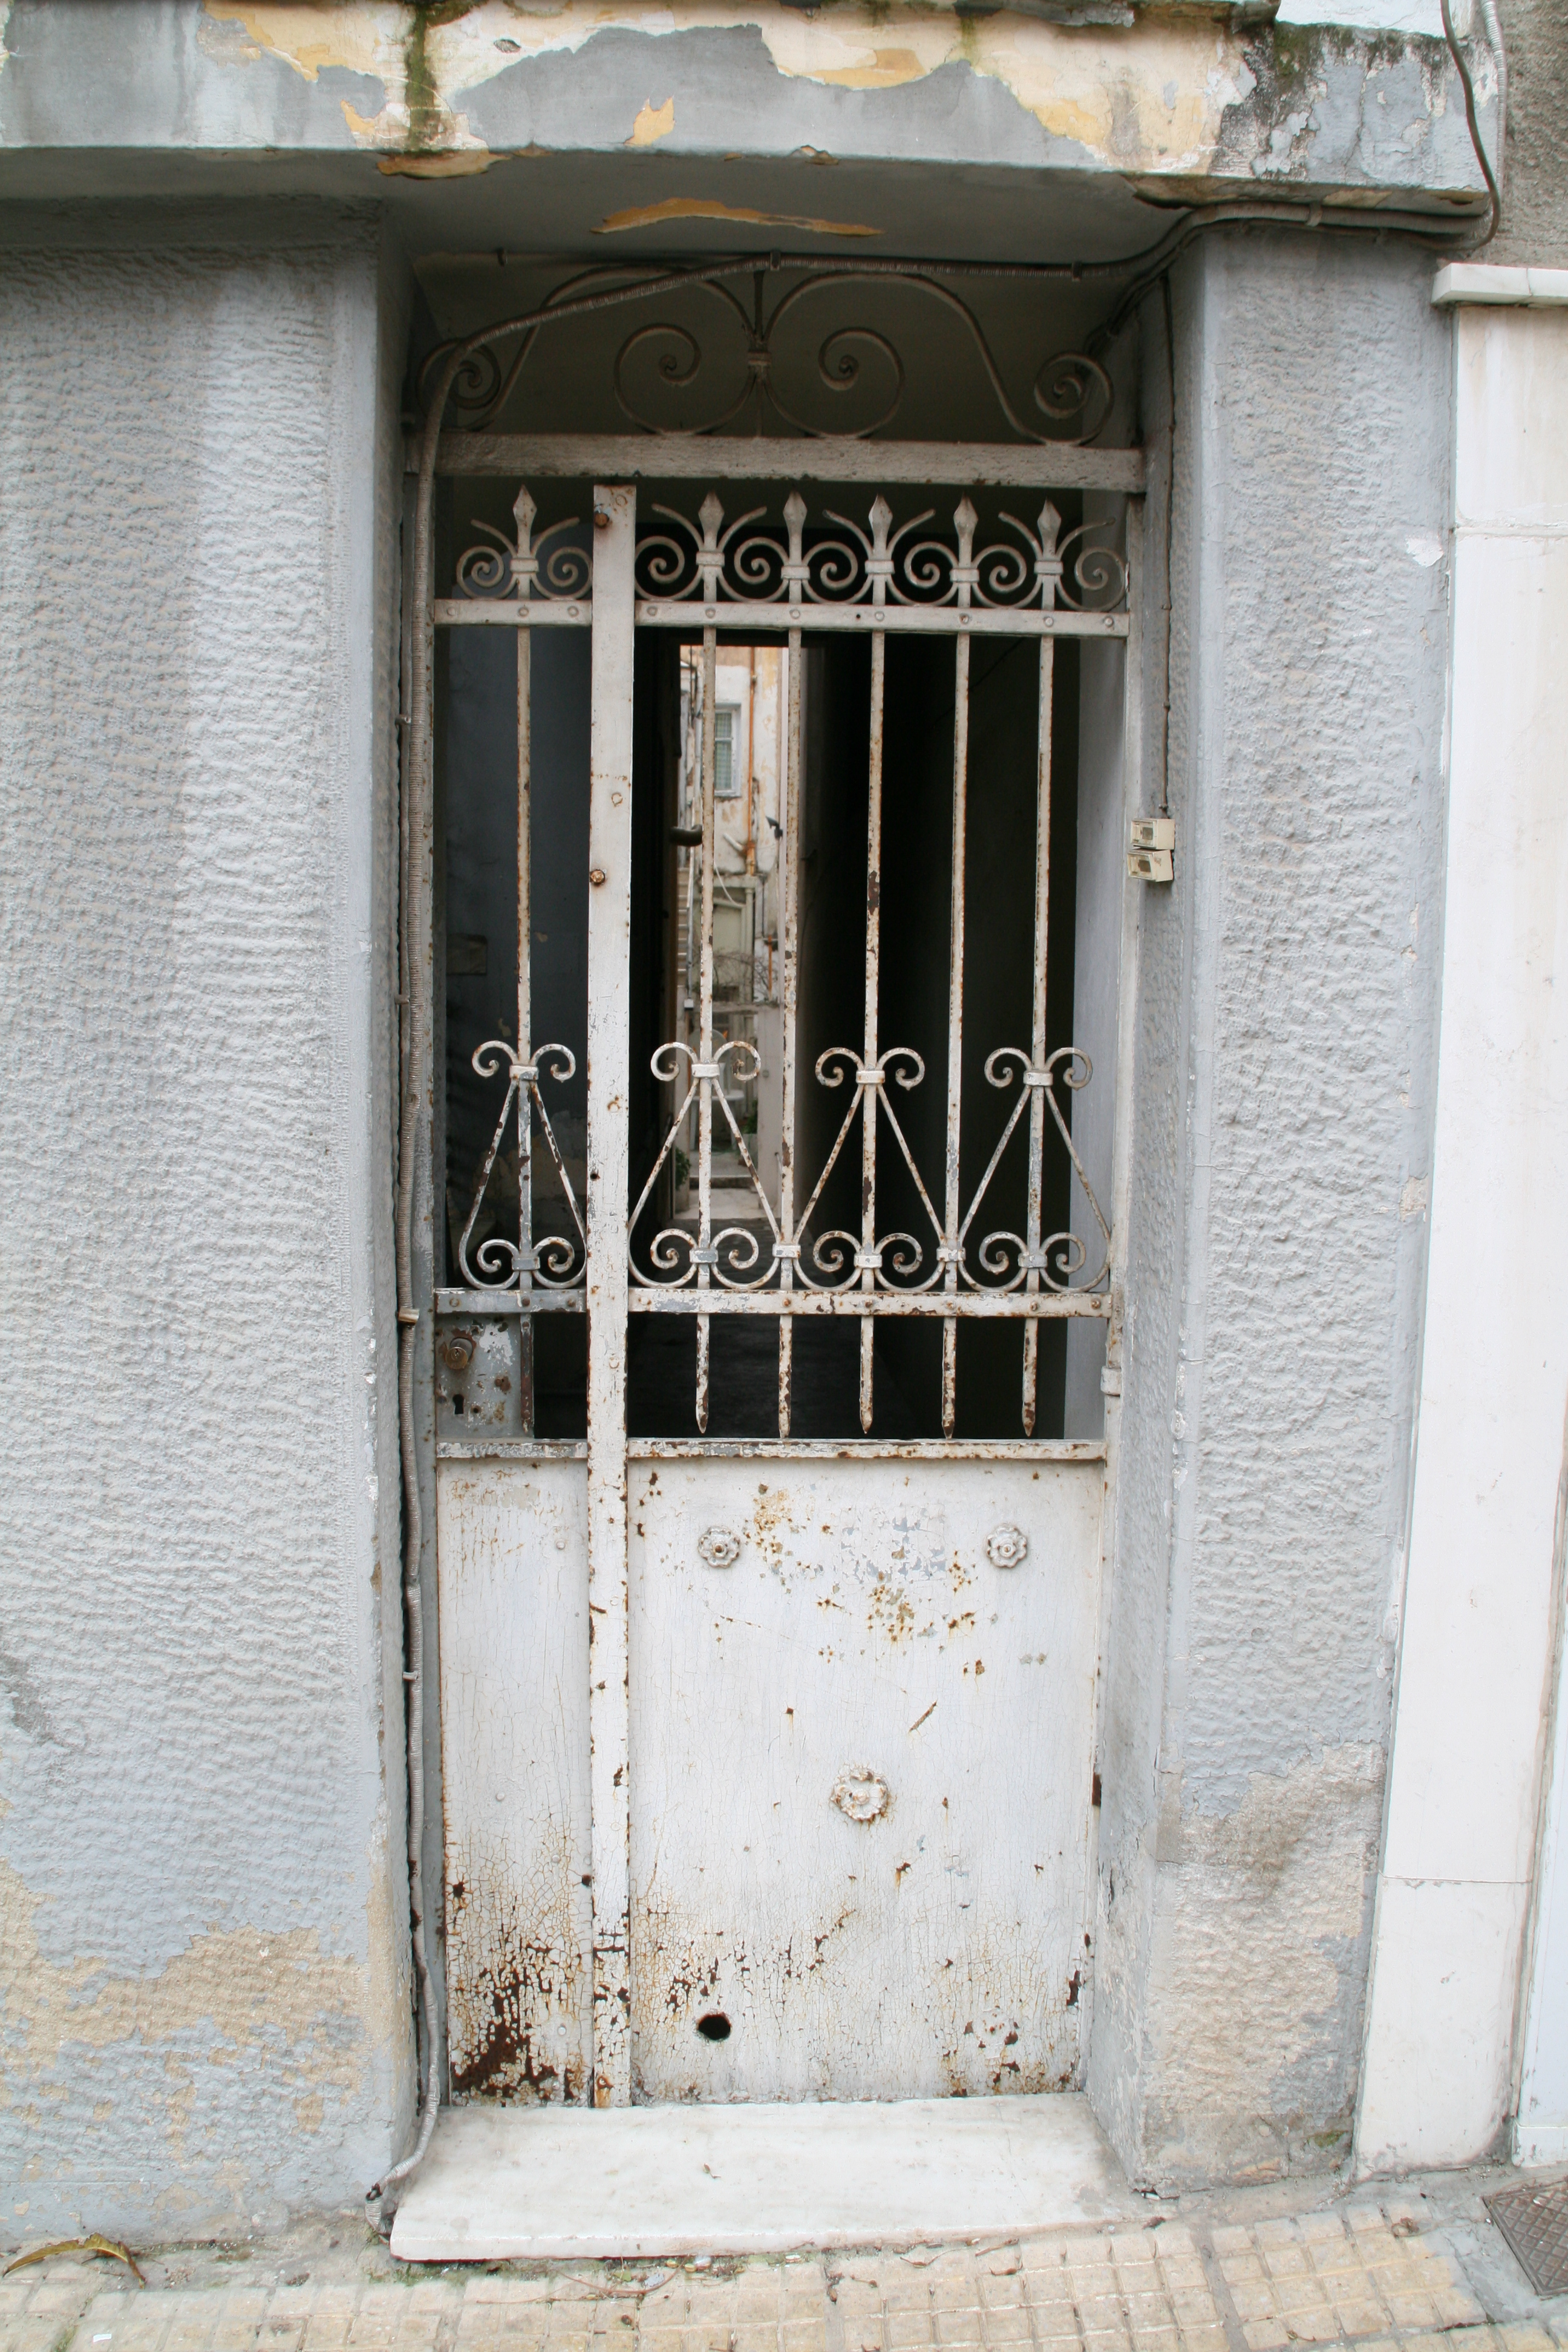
x=1071 y=395
x=736 y=1258
x=550 y=1260
x=710 y=562
x=857 y=369
x=519 y=567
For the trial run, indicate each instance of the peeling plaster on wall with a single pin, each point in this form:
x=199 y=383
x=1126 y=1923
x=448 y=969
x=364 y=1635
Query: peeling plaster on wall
x=394 y=127
x=1275 y=1896
x=1171 y=97
x=204 y=1938
x=1326 y=105
x=1157 y=105
x=250 y=2000
x=653 y=122
x=117 y=74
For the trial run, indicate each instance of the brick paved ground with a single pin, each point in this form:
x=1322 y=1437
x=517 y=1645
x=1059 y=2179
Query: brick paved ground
x=1420 y=2271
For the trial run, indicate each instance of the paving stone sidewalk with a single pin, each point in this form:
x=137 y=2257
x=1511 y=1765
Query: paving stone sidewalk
x=1416 y=2272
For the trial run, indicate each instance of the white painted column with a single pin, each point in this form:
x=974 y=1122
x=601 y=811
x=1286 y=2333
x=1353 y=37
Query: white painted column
x=1478 y=1667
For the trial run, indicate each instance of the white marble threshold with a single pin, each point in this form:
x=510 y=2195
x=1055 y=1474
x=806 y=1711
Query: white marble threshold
x=536 y=2183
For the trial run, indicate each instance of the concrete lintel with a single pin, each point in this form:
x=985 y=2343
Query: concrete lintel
x=686 y=89
x=1489 y=281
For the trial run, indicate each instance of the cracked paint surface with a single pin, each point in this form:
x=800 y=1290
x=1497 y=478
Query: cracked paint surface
x=1168 y=97
x=1157 y=107
x=248 y=2001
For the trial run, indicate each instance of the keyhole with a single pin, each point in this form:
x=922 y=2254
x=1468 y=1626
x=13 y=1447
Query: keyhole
x=456 y=1404
x=714 y=2027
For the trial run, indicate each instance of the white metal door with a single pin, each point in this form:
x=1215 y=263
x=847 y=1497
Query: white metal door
x=768 y=1758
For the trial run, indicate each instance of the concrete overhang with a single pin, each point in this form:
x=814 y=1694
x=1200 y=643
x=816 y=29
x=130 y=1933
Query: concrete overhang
x=575 y=126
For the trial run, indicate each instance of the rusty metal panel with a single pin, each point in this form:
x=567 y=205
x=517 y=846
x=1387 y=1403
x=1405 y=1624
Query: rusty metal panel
x=512 y=1546
x=862 y=1719
x=479 y=1383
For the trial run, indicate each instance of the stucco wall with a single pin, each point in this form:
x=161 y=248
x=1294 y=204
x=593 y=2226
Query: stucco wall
x=1287 y=1027
x=204 y=2007
x=1534 y=226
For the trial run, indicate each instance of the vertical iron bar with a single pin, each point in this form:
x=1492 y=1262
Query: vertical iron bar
x=705 y=1015
x=953 y=1209
x=1037 y=1032
x=609 y=899
x=524 y=1020
x=789 y=920
x=873 y=962
x=964 y=519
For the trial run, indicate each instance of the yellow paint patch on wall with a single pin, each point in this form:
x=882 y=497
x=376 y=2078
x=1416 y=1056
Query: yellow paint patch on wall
x=884 y=70
x=653 y=122
x=709 y=208
x=1148 y=100
x=240 y=1993
x=367 y=41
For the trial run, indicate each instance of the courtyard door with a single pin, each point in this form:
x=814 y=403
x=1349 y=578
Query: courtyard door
x=769 y=1586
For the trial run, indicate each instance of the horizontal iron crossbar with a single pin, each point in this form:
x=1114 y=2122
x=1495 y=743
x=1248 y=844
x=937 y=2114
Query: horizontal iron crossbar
x=922 y=620
x=861 y=1449
x=508 y=1302
x=511 y=613
x=935 y=620
x=1017 y=1306
x=1014 y=1304
x=673 y=458
x=781 y=1449
x=511 y=1449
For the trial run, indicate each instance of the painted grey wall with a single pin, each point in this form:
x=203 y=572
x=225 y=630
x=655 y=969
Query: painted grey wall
x=1286 y=1023
x=204 y=1994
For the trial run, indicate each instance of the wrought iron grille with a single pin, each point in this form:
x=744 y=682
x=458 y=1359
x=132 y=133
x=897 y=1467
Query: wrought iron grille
x=713 y=360
x=795 y=573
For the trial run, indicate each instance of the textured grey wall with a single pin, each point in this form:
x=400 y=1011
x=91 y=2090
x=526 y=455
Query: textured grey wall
x=1535 y=192
x=1287 y=1022
x=203 y=1993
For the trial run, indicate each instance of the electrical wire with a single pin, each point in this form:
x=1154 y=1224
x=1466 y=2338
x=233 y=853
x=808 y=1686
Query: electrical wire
x=1466 y=83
